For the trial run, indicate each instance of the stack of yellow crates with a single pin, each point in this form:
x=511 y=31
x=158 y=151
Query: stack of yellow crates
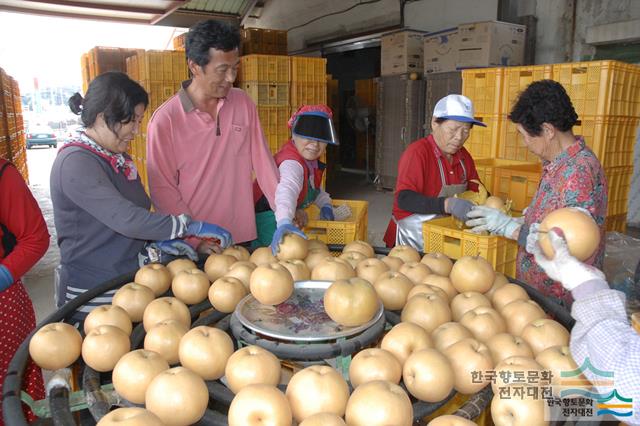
x=160 y=72
x=606 y=96
x=179 y=42
x=265 y=78
x=264 y=41
x=12 y=136
x=308 y=81
x=102 y=59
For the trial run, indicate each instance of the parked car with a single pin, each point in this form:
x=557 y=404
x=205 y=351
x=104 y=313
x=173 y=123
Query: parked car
x=41 y=135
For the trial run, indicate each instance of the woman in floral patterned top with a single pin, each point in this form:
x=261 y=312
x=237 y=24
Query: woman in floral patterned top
x=572 y=176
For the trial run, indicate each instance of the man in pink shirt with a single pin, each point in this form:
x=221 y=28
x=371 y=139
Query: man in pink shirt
x=204 y=143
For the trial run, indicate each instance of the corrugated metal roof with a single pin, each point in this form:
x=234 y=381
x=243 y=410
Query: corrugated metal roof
x=155 y=12
x=231 y=7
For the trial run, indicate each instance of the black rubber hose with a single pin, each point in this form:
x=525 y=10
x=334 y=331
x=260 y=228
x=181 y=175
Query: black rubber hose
x=211 y=318
x=310 y=352
x=59 y=407
x=137 y=336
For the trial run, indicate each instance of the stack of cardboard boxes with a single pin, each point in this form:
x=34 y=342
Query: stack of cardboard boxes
x=475 y=45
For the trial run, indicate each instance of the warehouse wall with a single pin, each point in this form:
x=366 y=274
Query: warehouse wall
x=597 y=12
x=434 y=15
x=428 y=15
x=563 y=25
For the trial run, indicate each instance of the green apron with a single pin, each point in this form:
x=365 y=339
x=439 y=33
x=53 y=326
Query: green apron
x=266 y=221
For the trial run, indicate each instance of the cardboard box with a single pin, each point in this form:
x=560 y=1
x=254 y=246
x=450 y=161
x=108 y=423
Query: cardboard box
x=401 y=52
x=441 y=51
x=490 y=44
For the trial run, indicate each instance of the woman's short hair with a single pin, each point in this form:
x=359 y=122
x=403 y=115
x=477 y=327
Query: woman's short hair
x=544 y=101
x=114 y=95
x=210 y=34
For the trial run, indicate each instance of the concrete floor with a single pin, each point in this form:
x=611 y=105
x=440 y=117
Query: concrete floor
x=39 y=280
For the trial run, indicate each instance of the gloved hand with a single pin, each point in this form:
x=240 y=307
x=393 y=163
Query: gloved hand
x=458 y=207
x=563 y=267
x=483 y=218
x=326 y=212
x=209 y=230
x=285 y=227
x=6 y=279
x=175 y=247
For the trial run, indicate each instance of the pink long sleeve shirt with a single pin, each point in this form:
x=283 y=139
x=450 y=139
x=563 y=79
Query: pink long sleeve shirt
x=194 y=170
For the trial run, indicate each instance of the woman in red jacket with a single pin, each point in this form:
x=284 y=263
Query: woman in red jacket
x=24 y=240
x=301 y=173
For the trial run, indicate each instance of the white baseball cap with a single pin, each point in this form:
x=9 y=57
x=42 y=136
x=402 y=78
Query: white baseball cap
x=456 y=107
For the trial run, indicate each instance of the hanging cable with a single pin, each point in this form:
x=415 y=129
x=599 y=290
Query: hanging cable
x=362 y=3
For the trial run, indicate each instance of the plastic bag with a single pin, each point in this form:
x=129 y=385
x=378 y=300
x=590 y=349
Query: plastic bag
x=622 y=266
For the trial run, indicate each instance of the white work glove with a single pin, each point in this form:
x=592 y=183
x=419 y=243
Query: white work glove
x=565 y=268
x=482 y=218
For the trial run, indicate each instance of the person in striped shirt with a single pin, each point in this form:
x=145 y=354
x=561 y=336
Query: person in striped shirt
x=602 y=332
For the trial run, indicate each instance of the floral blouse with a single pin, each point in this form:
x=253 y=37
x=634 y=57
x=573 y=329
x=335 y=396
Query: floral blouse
x=574 y=179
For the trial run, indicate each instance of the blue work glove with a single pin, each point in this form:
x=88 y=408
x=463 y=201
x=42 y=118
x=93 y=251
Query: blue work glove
x=458 y=207
x=326 y=212
x=285 y=227
x=209 y=230
x=175 y=247
x=5 y=278
x=483 y=218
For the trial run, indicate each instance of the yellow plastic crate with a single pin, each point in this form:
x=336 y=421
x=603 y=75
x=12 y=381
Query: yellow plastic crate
x=309 y=70
x=619 y=183
x=179 y=42
x=443 y=235
x=264 y=93
x=274 y=124
x=180 y=70
x=516 y=79
x=612 y=139
x=159 y=92
x=484 y=87
x=265 y=68
x=339 y=232
x=511 y=145
x=483 y=141
x=601 y=87
x=518 y=183
x=486 y=166
x=308 y=94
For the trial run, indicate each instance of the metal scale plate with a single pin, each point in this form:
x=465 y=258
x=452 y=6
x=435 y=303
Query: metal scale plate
x=300 y=318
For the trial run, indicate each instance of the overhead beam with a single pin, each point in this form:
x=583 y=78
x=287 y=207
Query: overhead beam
x=172 y=8
x=187 y=18
x=616 y=32
x=101 y=6
x=73 y=15
x=247 y=11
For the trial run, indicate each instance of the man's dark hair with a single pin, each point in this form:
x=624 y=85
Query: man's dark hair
x=544 y=101
x=114 y=95
x=210 y=34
